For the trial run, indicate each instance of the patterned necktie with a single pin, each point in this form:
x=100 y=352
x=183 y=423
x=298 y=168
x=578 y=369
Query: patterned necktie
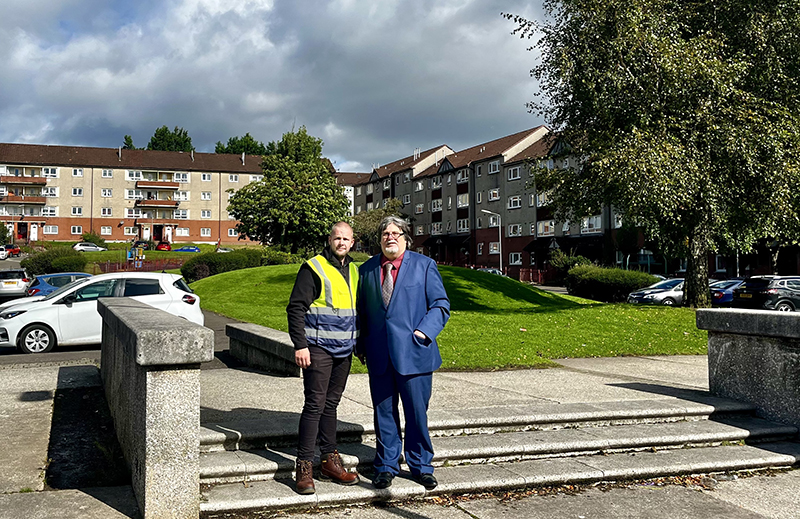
x=388 y=284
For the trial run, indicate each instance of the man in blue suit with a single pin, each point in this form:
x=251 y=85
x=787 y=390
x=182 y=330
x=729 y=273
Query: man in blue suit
x=402 y=308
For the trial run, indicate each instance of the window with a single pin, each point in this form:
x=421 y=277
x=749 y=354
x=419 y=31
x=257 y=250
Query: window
x=180 y=214
x=387 y=183
x=515 y=229
x=449 y=202
x=182 y=232
x=232 y=233
x=76 y=229
x=478 y=197
x=436 y=228
x=51 y=229
x=462 y=225
x=183 y=178
x=181 y=196
x=205 y=232
x=462 y=176
x=545 y=228
x=532 y=200
x=205 y=177
x=369 y=206
x=565 y=227
x=397 y=180
x=129 y=231
x=205 y=213
x=77 y=211
x=106 y=193
x=515 y=258
x=494 y=247
x=133 y=212
x=230 y=195
x=205 y=195
x=479 y=222
x=358 y=190
x=494 y=167
x=133 y=175
x=49 y=211
x=480 y=249
x=591 y=224
x=370 y=189
x=436 y=205
x=462 y=200
x=77 y=172
x=107 y=173
x=134 y=194
x=478 y=170
x=542 y=198
x=566 y=162
x=419 y=208
x=406 y=198
x=494 y=220
x=50 y=173
x=142 y=287
x=77 y=191
x=420 y=230
x=494 y=194
x=617 y=221
x=514 y=202
x=50 y=191
x=419 y=185
x=513 y=173
x=384 y=202
x=105 y=211
x=105 y=230
x=358 y=209
x=407 y=177
x=550 y=164
x=436 y=182
x=256 y=178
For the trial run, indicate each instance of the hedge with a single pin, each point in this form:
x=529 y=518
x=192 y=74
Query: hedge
x=211 y=263
x=57 y=259
x=605 y=284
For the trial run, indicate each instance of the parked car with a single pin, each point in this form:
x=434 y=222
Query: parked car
x=722 y=291
x=780 y=293
x=490 y=271
x=3 y=253
x=45 y=284
x=187 y=248
x=163 y=246
x=139 y=244
x=69 y=315
x=14 y=282
x=86 y=246
x=668 y=292
x=12 y=250
x=224 y=249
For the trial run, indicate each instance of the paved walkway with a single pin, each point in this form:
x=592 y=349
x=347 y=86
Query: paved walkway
x=26 y=400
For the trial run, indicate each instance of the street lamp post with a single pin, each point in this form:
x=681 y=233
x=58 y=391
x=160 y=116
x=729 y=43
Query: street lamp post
x=499 y=234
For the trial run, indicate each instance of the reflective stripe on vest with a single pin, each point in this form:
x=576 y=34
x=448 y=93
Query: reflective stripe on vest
x=330 y=321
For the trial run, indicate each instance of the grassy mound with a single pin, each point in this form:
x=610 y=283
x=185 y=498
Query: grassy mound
x=495 y=322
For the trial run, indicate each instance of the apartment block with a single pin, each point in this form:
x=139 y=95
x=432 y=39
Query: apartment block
x=60 y=192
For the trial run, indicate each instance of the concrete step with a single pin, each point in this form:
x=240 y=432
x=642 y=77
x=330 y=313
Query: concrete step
x=278 y=494
x=232 y=466
x=282 y=431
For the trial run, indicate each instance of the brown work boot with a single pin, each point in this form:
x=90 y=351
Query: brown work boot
x=304 y=477
x=332 y=468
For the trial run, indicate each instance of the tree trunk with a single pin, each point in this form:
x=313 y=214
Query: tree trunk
x=695 y=287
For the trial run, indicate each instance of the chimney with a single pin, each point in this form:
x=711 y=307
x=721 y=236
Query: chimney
x=242 y=158
x=119 y=154
x=192 y=155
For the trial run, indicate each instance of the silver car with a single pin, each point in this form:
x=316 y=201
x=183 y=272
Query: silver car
x=668 y=292
x=14 y=283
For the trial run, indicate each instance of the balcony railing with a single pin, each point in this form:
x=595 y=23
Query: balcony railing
x=28 y=181
x=157 y=203
x=23 y=199
x=157 y=184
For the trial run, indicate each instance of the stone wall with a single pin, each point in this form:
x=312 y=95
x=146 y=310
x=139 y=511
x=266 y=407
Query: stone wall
x=263 y=348
x=150 y=365
x=754 y=356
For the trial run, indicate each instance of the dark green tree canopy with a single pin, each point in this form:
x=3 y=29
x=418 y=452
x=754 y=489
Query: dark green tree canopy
x=165 y=140
x=238 y=145
x=127 y=143
x=365 y=223
x=684 y=116
x=298 y=146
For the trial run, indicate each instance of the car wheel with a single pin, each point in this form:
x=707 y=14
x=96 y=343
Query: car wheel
x=784 y=307
x=668 y=302
x=37 y=339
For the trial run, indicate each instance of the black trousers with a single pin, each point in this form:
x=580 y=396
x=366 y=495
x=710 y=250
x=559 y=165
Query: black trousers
x=323 y=384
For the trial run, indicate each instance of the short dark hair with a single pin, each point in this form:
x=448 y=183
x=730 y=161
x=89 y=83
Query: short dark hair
x=401 y=223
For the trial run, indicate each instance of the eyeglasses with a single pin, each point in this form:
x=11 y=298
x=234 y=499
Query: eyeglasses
x=394 y=235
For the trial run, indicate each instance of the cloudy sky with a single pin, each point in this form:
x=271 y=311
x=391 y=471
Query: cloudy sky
x=373 y=78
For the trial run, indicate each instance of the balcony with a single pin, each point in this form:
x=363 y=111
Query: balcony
x=156 y=184
x=23 y=199
x=26 y=181
x=164 y=204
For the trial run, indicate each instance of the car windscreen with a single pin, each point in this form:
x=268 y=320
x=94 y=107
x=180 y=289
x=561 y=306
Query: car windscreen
x=182 y=285
x=11 y=274
x=667 y=283
x=722 y=285
x=65 y=288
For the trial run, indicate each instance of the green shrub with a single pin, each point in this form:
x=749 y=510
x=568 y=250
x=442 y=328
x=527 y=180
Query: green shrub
x=563 y=262
x=605 y=284
x=93 y=237
x=52 y=260
x=271 y=256
x=360 y=257
x=211 y=263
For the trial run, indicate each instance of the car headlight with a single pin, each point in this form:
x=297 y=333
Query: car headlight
x=649 y=296
x=11 y=314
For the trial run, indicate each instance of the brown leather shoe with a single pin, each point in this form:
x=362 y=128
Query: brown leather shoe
x=332 y=468
x=304 y=477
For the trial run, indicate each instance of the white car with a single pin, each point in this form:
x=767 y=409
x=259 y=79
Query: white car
x=86 y=246
x=3 y=253
x=69 y=315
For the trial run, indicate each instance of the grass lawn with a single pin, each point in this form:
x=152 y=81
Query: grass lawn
x=495 y=323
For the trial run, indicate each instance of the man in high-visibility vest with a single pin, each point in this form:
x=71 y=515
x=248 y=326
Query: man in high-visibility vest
x=323 y=329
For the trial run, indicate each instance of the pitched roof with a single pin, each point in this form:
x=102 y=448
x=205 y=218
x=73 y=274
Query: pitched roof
x=351 y=179
x=409 y=162
x=77 y=156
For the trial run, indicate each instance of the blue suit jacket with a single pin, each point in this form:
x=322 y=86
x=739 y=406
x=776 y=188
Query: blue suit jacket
x=419 y=302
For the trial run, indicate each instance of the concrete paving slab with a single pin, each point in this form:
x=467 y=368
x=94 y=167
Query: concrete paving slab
x=476 y=478
x=90 y=503
x=685 y=370
x=776 y=495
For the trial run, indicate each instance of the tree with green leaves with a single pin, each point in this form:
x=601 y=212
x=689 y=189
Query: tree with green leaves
x=365 y=223
x=684 y=116
x=175 y=140
x=298 y=200
x=127 y=143
x=238 y=145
